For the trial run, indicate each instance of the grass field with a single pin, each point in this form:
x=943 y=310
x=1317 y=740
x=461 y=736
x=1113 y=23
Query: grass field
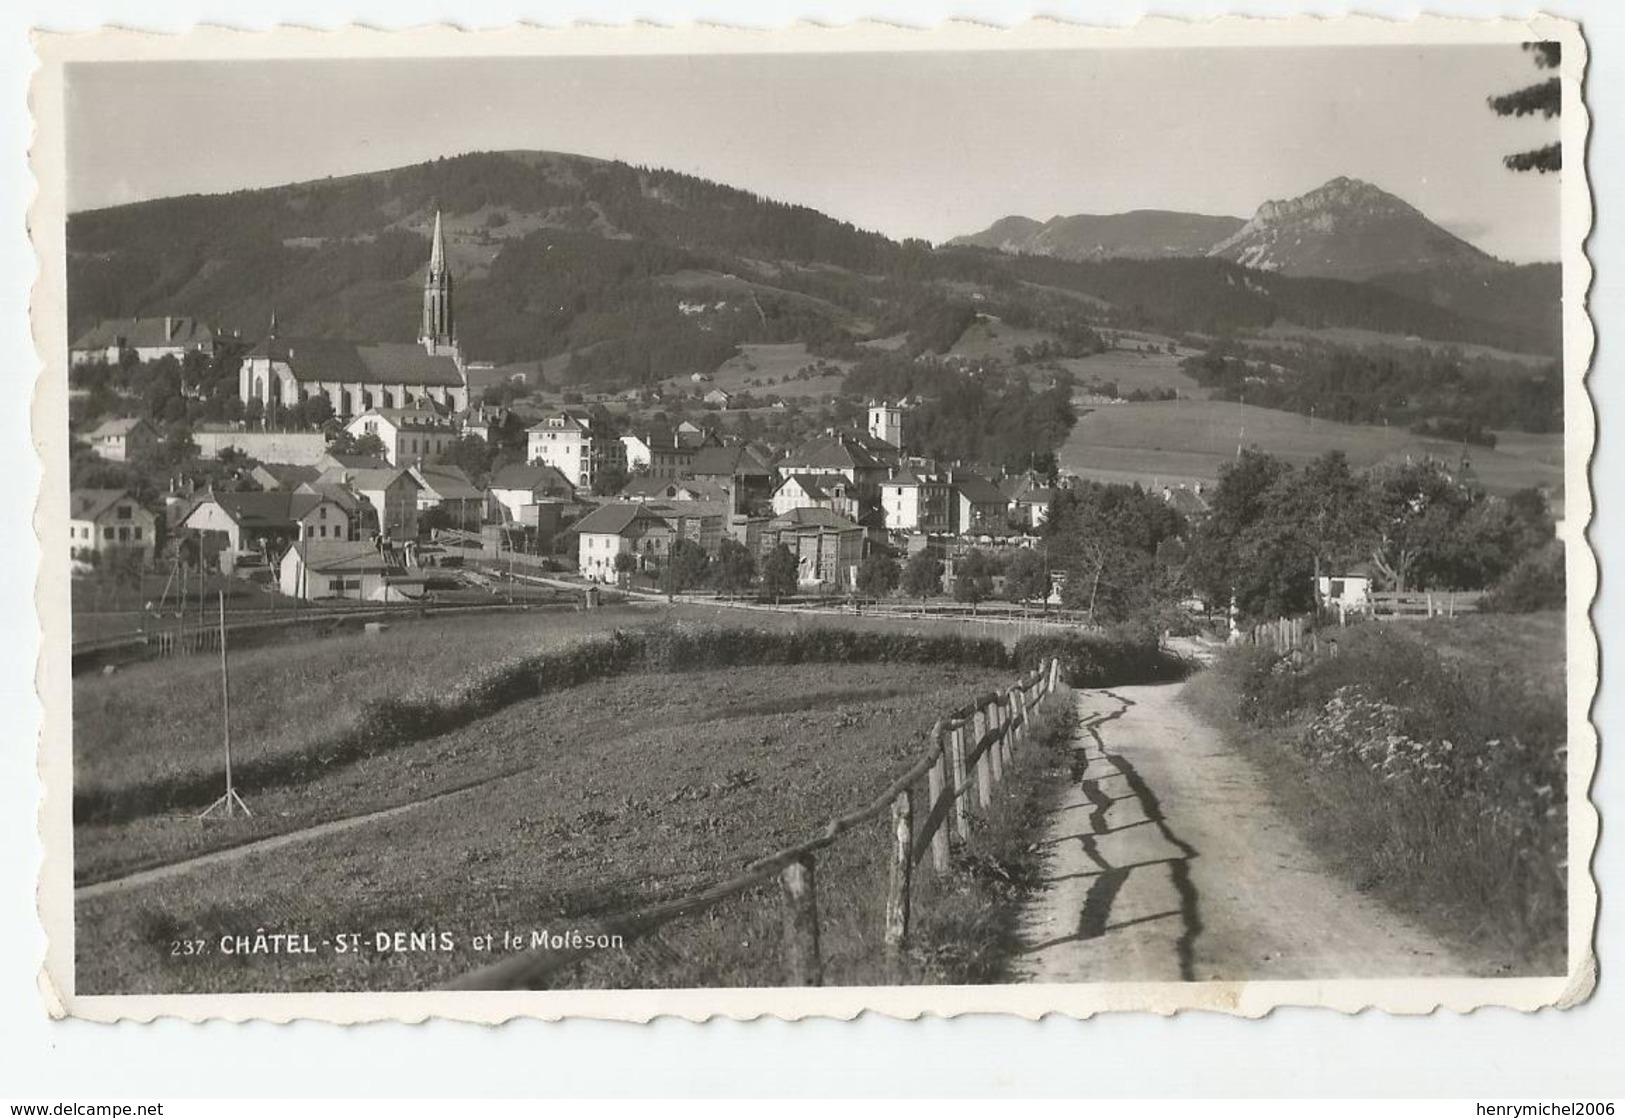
x=162 y=718
x=593 y=799
x=1363 y=339
x=1183 y=441
x=1131 y=370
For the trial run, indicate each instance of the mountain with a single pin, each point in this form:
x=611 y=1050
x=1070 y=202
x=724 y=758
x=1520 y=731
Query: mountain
x=1139 y=234
x=623 y=275
x=1348 y=229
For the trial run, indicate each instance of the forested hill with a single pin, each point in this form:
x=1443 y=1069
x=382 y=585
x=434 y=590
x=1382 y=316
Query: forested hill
x=644 y=273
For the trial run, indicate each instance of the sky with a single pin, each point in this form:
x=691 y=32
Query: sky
x=912 y=145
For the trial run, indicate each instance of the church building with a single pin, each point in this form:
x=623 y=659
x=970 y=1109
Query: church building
x=357 y=377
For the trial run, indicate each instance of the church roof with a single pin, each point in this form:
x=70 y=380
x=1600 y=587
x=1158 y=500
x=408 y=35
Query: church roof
x=329 y=359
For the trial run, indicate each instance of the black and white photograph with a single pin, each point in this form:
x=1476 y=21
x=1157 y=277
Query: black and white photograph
x=810 y=524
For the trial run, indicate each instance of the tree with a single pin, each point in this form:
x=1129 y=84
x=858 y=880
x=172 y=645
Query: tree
x=685 y=567
x=1545 y=98
x=471 y=454
x=625 y=564
x=922 y=575
x=779 y=573
x=1026 y=577
x=973 y=579
x=878 y=575
x=735 y=567
x=610 y=480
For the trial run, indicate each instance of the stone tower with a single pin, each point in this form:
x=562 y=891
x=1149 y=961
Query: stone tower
x=439 y=335
x=886 y=422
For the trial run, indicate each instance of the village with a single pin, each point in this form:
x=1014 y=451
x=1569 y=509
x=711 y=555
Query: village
x=369 y=506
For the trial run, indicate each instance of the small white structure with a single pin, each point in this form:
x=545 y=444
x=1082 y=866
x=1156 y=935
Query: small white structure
x=1348 y=591
x=121 y=440
x=314 y=569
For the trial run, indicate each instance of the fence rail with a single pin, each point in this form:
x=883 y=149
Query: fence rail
x=983 y=737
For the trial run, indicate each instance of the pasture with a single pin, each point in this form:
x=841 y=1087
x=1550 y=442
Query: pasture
x=1184 y=441
x=764 y=369
x=1130 y=369
x=556 y=809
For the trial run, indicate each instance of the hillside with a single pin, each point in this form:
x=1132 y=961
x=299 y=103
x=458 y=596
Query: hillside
x=1139 y=234
x=1347 y=229
x=619 y=275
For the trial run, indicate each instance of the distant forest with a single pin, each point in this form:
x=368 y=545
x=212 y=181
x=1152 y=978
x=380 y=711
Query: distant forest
x=1436 y=392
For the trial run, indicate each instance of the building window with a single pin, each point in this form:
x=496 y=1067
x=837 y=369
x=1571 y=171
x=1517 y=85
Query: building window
x=124 y=535
x=107 y=533
x=138 y=532
x=124 y=512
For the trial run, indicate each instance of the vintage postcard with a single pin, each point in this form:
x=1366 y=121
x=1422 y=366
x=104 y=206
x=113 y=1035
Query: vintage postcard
x=627 y=522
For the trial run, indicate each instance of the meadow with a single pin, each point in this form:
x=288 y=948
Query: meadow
x=588 y=801
x=1185 y=441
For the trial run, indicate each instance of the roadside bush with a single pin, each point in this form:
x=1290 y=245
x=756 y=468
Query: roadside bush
x=1537 y=582
x=1435 y=780
x=1102 y=661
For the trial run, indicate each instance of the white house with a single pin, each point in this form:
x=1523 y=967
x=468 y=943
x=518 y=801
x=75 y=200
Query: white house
x=565 y=440
x=122 y=440
x=103 y=520
x=392 y=493
x=517 y=488
x=313 y=569
x=411 y=436
x=621 y=528
x=917 y=501
x=448 y=487
x=813 y=491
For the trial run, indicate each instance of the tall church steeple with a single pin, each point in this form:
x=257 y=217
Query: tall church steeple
x=439 y=334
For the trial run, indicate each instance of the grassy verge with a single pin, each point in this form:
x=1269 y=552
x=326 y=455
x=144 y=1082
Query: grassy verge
x=1427 y=763
x=969 y=930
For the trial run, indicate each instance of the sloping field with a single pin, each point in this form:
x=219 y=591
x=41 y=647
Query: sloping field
x=1182 y=441
x=1130 y=369
x=598 y=798
x=774 y=368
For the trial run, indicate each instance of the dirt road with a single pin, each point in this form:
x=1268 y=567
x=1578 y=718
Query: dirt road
x=1168 y=861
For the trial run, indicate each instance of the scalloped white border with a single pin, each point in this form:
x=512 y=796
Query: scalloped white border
x=1246 y=999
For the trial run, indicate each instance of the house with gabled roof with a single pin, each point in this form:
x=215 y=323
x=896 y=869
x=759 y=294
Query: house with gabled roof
x=980 y=506
x=814 y=491
x=359 y=570
x=450 y=488
x=738 y=468
x=392 y=492
x=617 y=528
x=519 y=487
x=104 y=520
x=917 y=500
x=410 y=435
x=248 y=525
x=123 y=440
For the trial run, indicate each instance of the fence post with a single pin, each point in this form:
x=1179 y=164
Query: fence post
x=1018 y=725
x=980 y=724
x=996 y=712
x=799 y=894
x=956 y=770
x=1054 y=673
x=902 y=870
x=936 y=780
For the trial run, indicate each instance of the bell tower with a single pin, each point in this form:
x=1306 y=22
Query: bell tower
x=439 y=334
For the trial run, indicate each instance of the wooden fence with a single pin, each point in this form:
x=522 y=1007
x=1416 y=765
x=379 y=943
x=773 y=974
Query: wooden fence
x=962 y=766
x=1429 y=603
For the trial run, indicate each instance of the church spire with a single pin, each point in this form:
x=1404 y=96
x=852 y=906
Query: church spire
x=439 y=334
x=437 y=251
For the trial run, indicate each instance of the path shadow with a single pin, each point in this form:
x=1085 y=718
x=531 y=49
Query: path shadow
x=1094 y=919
